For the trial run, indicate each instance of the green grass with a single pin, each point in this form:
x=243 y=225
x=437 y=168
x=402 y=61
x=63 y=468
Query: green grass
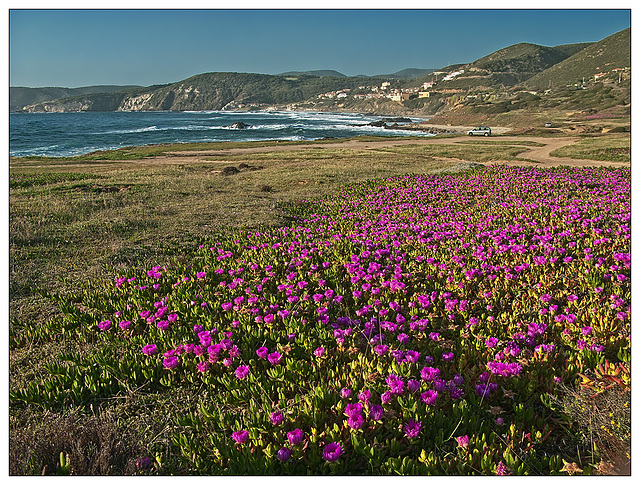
x=473 y=152
x=615 y=148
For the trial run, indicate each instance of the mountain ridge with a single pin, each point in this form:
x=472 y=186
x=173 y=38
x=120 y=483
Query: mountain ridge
x=323 y=90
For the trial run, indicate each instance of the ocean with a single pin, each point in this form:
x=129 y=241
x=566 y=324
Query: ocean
x=69 y=134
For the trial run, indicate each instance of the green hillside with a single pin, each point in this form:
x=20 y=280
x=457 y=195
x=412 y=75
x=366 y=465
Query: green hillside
x=21 y=96
x=610 y=53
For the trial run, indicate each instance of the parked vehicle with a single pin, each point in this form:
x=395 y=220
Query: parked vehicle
x=548 y=124
x=480 y=130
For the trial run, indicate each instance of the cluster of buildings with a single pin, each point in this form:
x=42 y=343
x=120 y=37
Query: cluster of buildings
x=384 y=90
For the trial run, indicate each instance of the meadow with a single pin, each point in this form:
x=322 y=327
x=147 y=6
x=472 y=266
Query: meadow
x=319 y=312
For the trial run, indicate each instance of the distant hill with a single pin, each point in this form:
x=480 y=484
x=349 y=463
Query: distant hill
x=410 y=73
x=319 y=73
x=526 y=58
x=209 y=91
x=20 y=96
x=610 y=53
x=520 y=67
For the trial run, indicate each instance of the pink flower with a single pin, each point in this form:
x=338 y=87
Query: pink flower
x=463 y=441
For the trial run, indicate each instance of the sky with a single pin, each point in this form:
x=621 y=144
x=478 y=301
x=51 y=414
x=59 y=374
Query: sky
x=73 y=47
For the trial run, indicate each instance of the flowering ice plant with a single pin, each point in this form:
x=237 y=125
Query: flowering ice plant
x=383 y=322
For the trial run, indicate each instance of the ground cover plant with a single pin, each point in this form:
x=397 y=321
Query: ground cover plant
x=429 y=324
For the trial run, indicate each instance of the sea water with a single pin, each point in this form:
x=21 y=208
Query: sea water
x=69 y=134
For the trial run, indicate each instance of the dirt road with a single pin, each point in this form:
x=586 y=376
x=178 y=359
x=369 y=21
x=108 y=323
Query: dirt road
x=542 y=154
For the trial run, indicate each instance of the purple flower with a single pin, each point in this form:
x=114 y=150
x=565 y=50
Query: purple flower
x=412 y=428
x=295 y=436
x=386 y=397
x=413 y=385
x=203 y=366
x=274 y=358
x=395 y=383
x=345 y=393
x=375 y=412
x=355 y=421
x=353 y=409
x=332 y=452
x=284 y=454
x=364 y=396
x=276 y=418
x=503 y=470
x=440 y=385
x=504 y=369
x=150 y=349
x=171 y=362
x=319 y=352
x=242 y=371
x=104 y=325
x=429 y=373
x=380 y=349
x=143 y=463
x=490 y=342
x=240 y=437
x=125 y=325
x=447 y=356
x=429 y=397
x=262 y=352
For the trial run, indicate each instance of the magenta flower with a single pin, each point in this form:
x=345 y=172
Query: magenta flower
x=504 y=369
x=429 y=373
x=355 y=421
x=503 y=470
x=429 y=397
x=262 y=352
x=171 y=362
x=150 y=349
x=364 y=396
x=240 y=437
x=203 y=366
x=242 y=371
x=463 y=441
x=490 y=342
x=104 y=325
x=380 y=349
x=345 y=393
x=276 y=418
x=395 y=383
x=353 y=409
x=412 y=428
x=125 y=325
x=274 y=358
x=332 y=452
x=295 y=436
x=319 y=352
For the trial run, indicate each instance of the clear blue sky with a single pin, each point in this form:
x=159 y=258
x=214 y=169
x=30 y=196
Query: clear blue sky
x=72 y=48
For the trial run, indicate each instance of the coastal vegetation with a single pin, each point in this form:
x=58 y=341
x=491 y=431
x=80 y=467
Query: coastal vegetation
x=320 y=310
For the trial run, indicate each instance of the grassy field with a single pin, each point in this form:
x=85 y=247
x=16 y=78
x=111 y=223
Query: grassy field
x=81 y=221
x=616 y=147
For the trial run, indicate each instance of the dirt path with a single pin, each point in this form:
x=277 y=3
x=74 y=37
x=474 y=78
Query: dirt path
x=542 y=154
